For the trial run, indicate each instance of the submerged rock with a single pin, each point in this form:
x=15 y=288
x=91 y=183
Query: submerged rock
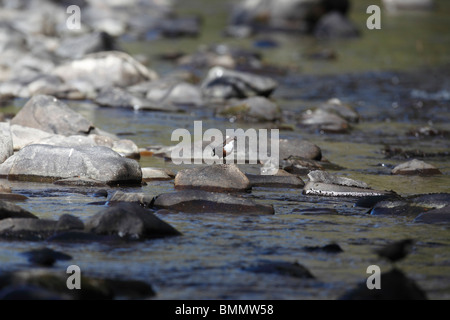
x=328 y=248
x=414 y=205
x=129 y=221
x=45 y=257
x=48 y=114
x=222 y=84
x=336 y=106
x=216 y=177
x=50 y=163
x=46 y=284
x=325 y=177
x=33 y=229
x=253 y=109
x=195 y=201
x=281 y=179
x=77 y=47
x=325 y=184
x=300 y=166
x=105 y=69
x=395 y=286
x=435 y=216
x=80 y=182
x=6 y=142
x=415 y=167
x=295 y=269
x=137 y=197
x=10 y=210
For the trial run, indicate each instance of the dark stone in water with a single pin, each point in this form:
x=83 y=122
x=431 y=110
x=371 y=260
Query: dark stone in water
x=315 y=211
x=435 y=216
x=129 y=221
x=28 y=283
x=413 y=205
x=328 y=248
x=194 y=201
x=80 y=182
x=290 y=269
x=27 y=292
x=395 y=285
x=216 y=178
x=36 y=229
x=45 y=257
x=102 y=193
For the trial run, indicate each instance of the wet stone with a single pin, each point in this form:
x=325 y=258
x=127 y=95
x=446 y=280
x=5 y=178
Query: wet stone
x=137 y=197
x=48 y=114
x=10 y=210
x=216 y=177
x=253 y=109
x=105 y=69
x=222 y=84
x=45 y=257
x=396 y=286
x=32 y=229
x=282 y=179
x=435 y=216
x=195 y=201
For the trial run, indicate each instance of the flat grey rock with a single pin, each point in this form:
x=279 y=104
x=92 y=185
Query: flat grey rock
x=195 y=201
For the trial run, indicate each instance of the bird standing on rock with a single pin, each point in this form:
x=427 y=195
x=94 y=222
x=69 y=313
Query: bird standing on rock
x=395 y=251
x=225 y=148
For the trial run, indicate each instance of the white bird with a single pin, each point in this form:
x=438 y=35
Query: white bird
x=225 y=148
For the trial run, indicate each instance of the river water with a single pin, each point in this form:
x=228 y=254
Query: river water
x=396 y=78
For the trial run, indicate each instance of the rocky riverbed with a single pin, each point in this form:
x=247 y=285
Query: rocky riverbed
x=87 y=175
